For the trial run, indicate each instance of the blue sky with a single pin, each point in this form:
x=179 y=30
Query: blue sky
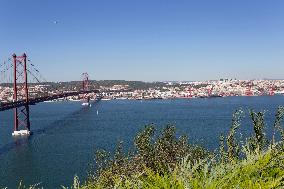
x=149 y=40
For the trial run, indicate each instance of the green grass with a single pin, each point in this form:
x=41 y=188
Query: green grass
x=263 y=170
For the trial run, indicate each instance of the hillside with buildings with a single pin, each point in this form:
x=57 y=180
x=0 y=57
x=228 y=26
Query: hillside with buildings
x=119 y=89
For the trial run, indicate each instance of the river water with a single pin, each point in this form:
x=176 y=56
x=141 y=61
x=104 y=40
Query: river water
x=66 y=134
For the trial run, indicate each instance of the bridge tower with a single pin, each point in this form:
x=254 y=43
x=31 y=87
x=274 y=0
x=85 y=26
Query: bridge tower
x=86 y=97
x=21 y=93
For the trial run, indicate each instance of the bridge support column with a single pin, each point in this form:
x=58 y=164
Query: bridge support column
x=86 y=97
x=22 y=114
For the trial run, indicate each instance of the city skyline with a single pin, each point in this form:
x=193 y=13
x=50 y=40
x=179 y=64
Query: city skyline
x=146 y=40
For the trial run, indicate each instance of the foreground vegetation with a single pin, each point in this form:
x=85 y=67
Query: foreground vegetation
x=162 y=160
x=165 y=161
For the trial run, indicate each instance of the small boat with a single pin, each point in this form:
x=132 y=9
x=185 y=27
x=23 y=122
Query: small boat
x=86 y=104
x=105 y=99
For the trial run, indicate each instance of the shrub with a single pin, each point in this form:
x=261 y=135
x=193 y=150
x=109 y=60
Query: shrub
x=164 y=160
x=258 y=140
x=157 y=153
x=277 y=123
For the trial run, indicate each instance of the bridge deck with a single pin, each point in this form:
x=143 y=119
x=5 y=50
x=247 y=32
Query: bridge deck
x=11 y=105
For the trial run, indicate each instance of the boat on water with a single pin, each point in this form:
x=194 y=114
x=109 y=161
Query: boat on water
x=105 y=99
x=86 y=104
x=75 y=100
x=121 y=98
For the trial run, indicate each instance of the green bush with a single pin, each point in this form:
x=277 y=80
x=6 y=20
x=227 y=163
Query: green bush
x=165 y=161
x=156 y=152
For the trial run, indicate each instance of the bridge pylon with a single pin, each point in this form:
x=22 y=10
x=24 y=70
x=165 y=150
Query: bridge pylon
x=21 y=92
x=86 y=97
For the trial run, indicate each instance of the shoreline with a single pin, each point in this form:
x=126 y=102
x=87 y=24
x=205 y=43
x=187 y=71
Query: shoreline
x=169 y=98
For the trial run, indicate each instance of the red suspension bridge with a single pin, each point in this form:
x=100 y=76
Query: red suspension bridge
x=20 y=72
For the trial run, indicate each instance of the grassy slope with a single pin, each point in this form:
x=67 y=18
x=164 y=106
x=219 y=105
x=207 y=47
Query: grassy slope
x=262 y=170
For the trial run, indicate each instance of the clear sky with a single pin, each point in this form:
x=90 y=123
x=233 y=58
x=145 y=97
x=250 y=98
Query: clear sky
x=147 y=40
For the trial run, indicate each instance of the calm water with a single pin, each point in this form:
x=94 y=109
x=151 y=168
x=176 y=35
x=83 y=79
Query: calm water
x=66 y=135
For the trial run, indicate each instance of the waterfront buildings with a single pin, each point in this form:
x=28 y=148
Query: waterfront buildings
x=195 y=89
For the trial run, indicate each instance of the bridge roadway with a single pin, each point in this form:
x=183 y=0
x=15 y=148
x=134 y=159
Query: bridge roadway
x=11 y=105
